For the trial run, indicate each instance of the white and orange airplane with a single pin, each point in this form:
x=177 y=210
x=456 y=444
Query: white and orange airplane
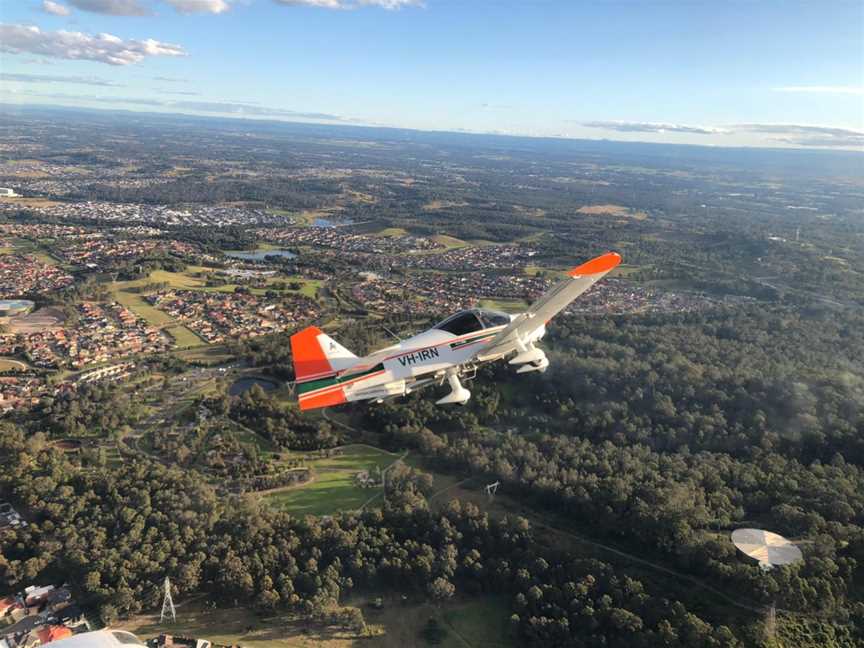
x=327 y=374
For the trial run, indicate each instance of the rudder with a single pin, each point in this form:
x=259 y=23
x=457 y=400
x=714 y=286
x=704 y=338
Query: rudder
x=317 y=355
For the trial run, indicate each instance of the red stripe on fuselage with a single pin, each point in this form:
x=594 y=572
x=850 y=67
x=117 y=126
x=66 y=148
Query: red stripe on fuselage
x=328 y=388
x=495 y=329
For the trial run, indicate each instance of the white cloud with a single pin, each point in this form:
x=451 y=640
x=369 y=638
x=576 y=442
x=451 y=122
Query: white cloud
x=792 y=134
x=653 y=127
x=392 y=4
x=324 y=4
x=112 y=7
x=47 y=78
x=804 y=135
x=200 y=6
x=216 y=107
x=104 y=48
x=55 y=8
x=853 y=90
x=351 y=4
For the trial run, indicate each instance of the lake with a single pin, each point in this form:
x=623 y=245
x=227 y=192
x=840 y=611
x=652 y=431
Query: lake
x=259 y=255
x=243 y=385
x=326 y=222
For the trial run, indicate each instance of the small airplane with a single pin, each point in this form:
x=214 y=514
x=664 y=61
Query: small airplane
x=328 y=374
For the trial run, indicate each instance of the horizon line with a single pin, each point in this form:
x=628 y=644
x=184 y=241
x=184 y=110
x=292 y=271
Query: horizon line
x=336 y=124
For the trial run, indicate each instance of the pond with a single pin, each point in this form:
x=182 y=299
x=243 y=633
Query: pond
x=259 y=255
x=326 y=222
x=242 y=385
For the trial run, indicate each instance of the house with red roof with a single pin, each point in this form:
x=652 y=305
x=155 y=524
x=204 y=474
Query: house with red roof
x=51 y=633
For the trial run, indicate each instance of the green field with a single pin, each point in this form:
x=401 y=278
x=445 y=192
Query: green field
x=186 y=281
x=206 y=355
x=332 y=488
x=392 y=231
x=183 y=337
x=449 y=242
x=121 y=291
x=473 y=622
x=506 y=305
x=624 y=270
x=235 y=626
x=7 y=364
x=251 y=438
x=44 y=257
x=310 y=286
x=137 y=305
x=480 y=622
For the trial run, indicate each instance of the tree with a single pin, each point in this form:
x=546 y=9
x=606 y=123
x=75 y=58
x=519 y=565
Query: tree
x=441 y=589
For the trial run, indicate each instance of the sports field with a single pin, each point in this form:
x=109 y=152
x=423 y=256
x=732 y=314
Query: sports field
x=332 y=487
x=8 y=364
x=235 y=626
x=183 y=337
x=187 y=281
x=506 y=305
x=206 y=355
x=479 y=622
x=137 y=305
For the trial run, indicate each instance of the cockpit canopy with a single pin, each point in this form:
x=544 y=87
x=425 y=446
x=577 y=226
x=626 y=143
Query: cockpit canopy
x=475 y=319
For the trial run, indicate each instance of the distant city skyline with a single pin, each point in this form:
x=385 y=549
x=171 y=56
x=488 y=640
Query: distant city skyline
x=772 y=74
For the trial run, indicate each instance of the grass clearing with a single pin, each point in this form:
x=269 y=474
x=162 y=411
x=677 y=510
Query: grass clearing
x=238 y=626
x=392 y=232
x=244 y=435
x=187 y=281
x=506 y=305
x=29 y=202
x=481 y=622
x=470 y=622
x=7 y=364
x=137 y=305
x=611 y=210
x=309 y=288
x=302 y=218
x=184 y=337
x=45 y=258
x=206 y=355
x=625 y=270
x=478 y=621
x=332 y=488
x=450 y=242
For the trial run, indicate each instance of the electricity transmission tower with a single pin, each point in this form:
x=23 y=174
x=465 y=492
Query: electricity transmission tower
x=168 y=604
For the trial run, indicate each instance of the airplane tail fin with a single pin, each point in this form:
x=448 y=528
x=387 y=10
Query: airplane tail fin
x=317 y=355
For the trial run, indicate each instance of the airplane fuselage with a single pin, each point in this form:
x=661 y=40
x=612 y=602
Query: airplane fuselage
x=414 y=362
x=328 y=374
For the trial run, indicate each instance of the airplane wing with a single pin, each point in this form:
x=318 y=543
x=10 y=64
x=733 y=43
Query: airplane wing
x=579 y=279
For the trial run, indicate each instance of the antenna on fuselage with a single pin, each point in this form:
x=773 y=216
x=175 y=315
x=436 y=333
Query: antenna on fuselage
x=391 y=333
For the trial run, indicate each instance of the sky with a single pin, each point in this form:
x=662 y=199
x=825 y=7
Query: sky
x=712 y=72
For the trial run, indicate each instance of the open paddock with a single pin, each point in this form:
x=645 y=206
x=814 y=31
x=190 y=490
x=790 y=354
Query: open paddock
x=333 y=488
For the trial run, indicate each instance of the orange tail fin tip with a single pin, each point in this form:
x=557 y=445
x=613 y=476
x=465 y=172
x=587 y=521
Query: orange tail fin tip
x=310 y=361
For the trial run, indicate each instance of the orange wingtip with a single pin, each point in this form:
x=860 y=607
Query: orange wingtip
x=603 y=263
